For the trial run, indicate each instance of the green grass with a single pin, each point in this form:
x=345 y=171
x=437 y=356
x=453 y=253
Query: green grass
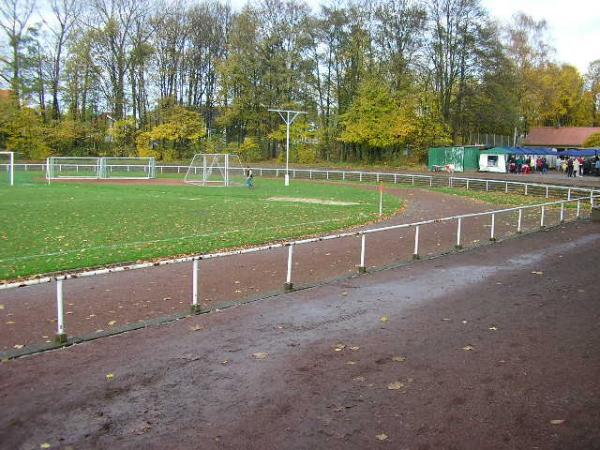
x=509 y=200
x=68 y=226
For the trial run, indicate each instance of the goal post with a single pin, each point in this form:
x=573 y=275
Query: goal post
x=127 y=168
x=100 y=168
x=215 y=169
x=7 y=168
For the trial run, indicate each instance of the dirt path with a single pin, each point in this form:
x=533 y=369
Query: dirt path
x=496 y=348
x=104 y=303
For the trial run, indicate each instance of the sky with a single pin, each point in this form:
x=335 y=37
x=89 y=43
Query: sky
x=573 y=25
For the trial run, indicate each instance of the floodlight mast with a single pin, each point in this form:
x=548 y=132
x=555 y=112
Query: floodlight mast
x=288 y=122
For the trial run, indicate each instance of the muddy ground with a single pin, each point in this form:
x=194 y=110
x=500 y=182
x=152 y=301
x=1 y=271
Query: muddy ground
x=494 y=348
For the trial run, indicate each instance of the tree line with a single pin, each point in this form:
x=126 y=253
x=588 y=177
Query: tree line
x=379 y=79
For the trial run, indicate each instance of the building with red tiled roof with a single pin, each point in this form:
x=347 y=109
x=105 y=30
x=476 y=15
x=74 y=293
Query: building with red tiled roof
x=565 y=137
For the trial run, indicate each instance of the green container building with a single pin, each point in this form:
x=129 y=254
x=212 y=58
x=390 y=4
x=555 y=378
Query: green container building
x=463 y=158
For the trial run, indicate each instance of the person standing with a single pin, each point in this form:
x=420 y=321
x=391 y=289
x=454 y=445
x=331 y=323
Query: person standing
x=576 y=166
x=581 y=163
x=570 y=167
x=249 y=178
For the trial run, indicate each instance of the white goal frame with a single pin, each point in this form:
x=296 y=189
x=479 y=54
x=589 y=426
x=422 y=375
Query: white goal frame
x=10 y=166
x=205 y=165
x=99 y=168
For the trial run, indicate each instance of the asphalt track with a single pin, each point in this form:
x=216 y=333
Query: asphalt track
x=494 y=348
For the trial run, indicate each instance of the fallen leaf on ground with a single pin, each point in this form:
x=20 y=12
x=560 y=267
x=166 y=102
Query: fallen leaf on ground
x=395 y=386
x=537 y=273
x=384 y=318
x=45 y=445
x=493 y=328
x=359 y=378
x=468 y=348
x=225 y=362
x=338 y=347
x=196 y=328
x=398 y=358
x=557 y=421
x=17 y=346
x=381 y=437
x=356 y=347
x=10 y=322
x=344 y=293
x=260 y=355
x=111 y=323
x=1 y=307
x=351 y=363
x=110 y=376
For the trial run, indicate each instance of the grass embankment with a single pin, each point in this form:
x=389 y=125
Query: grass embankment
x=68 y=226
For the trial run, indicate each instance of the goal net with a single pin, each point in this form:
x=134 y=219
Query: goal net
x=69 y=167
x=215 y=169
x=7 y=168
x=124 y=168
x=87 y=167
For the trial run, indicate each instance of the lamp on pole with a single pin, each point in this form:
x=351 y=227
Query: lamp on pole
x=288 y=116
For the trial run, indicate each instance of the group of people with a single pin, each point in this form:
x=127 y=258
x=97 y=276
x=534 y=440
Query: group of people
x=581 y=166
x=571 y=166
x=527 y=165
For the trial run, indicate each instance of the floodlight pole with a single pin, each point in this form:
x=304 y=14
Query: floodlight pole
x=285 y=115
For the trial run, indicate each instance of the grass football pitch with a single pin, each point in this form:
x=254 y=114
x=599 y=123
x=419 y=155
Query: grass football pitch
x=69 y=226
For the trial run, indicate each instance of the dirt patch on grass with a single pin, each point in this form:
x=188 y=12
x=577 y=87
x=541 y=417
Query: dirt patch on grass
x=316 y=201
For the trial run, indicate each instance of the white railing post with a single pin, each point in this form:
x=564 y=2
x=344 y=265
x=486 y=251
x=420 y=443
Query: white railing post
x=195 y=306
x=592 y=198
x=506 y=187
x=458 y=231
x=449 y=182
x=487 y=185
x=542 y=218
x=546 y=191
x=493 y=228
x=520 y=221
x=310 y=174
x=395 y=179
x=288 y=286
x=467 y=184
x=416 y=252
x=413 y=179
x=363 y=245
x=61 y=336
x=360 y=176
x=526 y=188
x=344 y=175
x=562 y=212
x=578 y=208
x=430 y=181
x=569 y=194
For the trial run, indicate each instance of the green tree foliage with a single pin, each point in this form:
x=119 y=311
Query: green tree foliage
x=379 y=79
x=178 y=137
x=593 y=141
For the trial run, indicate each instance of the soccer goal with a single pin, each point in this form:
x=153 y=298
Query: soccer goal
x=72 y=167
x=88 y=167
x=215 y=169
x=124 y=168
x=7 y=168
